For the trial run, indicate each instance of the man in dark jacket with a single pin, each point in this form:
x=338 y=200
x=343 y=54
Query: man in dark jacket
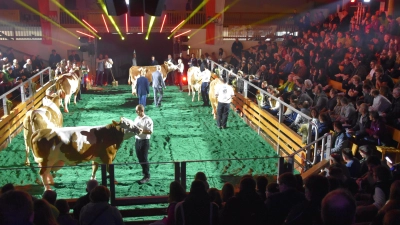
x=54 y=59
x=237 y=48
x=392 y=117
x=142 y=88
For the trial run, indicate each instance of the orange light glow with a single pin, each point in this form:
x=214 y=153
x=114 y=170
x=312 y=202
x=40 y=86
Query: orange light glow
x=89 y=25
x=162 y=25
x=85 y=34
x=104 y=20
x=177 y=26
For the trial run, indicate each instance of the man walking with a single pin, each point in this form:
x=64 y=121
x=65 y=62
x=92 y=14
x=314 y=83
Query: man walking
x=142 y=143
x=158 y=85
x=142 y=89
x=224 y=95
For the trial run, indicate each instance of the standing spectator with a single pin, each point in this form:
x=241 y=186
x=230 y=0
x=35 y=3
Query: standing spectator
x=237 y=47
x=192 y=60
x=393 y=26
x=188 y=5
x=54 y=59
x=99 y=70
x=142 y=88
x=142 y=143
x=84 y=200
x=158 y=85
x=153 y=61
x=85 y=79
x=224 y=94
x=98 y=211
x=73 y=57
x=108 y=64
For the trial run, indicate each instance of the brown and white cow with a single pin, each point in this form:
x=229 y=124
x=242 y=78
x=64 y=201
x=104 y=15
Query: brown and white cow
x=52 y=148
x=69 y=84
x=211 y=95
x=135 y=71
x=133 y=79
x=47 y=116
x=194 y=81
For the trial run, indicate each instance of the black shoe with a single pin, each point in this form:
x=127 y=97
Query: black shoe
x=144 y=180
x=223 y=127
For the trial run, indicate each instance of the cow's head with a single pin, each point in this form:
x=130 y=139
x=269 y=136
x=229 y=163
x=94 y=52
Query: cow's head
x=142 y=71
x=170 y=66
x=53 y=98
x=128 y=126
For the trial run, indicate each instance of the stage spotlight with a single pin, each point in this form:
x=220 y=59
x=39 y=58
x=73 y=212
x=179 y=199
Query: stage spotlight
x=123 y=38
x=99 y=38
x=83 y=39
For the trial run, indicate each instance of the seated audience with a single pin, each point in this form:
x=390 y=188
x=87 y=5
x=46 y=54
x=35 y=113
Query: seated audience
x=338 y=207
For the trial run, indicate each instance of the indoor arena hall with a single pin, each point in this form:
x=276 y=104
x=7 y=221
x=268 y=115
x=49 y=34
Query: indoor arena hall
x=199 y=112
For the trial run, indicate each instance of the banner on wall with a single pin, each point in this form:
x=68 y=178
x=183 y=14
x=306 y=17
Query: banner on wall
x=214 y=30
x=53 y=16
x=44 y=8
x=210 y=28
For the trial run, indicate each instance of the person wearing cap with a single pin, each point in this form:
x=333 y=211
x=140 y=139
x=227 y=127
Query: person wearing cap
x=84 y=200
x=224 y=94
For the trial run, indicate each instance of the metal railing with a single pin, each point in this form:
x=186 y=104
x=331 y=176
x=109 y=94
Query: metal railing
x=282 y=105
x=27 y=88
x=180 y=171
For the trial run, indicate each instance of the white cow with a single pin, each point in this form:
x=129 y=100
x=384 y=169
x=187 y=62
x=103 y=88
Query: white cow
x=47 y=116
x=194 y=81
x=69 y=84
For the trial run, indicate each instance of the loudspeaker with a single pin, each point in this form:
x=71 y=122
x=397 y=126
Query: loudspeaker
x=184 y=39
x=84 y=48
x=91 y=49
x=83 y=39
x=116 y=7
x=154 y=7
x=136 y=7
x=184 y=47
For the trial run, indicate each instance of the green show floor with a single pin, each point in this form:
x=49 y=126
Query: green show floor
x=183 y=130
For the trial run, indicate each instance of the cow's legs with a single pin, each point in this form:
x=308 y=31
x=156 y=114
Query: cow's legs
x=75 y=95
x=66 y=102
x=189 y=87
x=95 y=167
x=44 y=173
x=27 y=162
x=198 y=94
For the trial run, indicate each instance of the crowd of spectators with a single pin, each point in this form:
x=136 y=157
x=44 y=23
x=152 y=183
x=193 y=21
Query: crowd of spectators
x=349 y=191
x=14 y=71
x=362 y=55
